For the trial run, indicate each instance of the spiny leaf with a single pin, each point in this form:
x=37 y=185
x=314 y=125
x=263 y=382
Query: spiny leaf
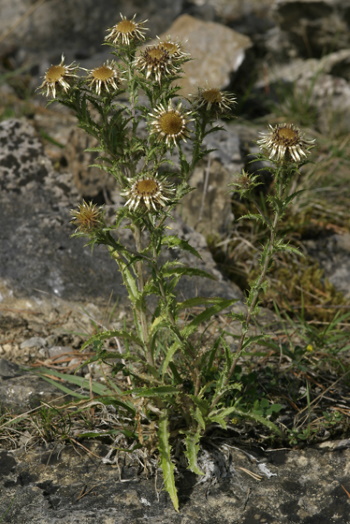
x=165 y=461
x=254 y=216
x=172 y=269
x=120 y=333
x=105 y=395
x=169 y=355
x=199 y=301
x=191 y=452
x=257 y=418
x=220 y=416
x=292 y=196
x=176 y=242
x=159 y=391
x=205 y=315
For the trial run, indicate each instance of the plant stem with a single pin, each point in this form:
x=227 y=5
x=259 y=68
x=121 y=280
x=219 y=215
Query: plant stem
x=140 y=307
x=253 y=297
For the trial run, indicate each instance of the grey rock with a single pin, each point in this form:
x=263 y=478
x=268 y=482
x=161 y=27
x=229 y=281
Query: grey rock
x=55 y=483
x=228 y=11
x=21 y=393
x=322 y=82
x=36 y=230
x=333 y=253
x=75 y=28
x=8 y=369
x=33 y=342
x=55 y=351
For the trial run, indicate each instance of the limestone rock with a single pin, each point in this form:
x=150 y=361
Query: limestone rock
x=38 y=256
x=333 y=253
x=59 y=482
x=51 y=27
x=228 y=11
x=324 y=83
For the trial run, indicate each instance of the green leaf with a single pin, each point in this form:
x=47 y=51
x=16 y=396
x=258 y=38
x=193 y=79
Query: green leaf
x=220 y=416
x=64 y=389
x=104 y=394
x=120 y=333
x=191 y=452
x=198 y=416
x=159 y=391
x=258 y=418
x=165 y=461
x=281 y=246
x=292 y=196
x=171 y=269
x=176 y=242
x=158 y=322
x=254 y=216
x=199 y=301
x=253 y=339
x=206 y=315
x=169 y=355
x=84 y=383
x=130 y=284
x=208 y=358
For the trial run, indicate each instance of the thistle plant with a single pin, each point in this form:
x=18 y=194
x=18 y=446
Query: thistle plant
x=150 y=140
x=285 y=149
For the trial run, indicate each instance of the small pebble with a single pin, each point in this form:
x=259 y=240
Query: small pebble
x=33 y=342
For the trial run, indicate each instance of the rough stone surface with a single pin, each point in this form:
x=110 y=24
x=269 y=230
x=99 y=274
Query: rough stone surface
x=228 y=11
x=333 y=253
x=60 y=483
x=50 y=28
x=36 y=228
x=24 y=393
x=324 y=83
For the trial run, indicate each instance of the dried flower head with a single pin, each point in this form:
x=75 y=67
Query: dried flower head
x=213 y=100
x=156 y=61
x=58 y=77
x=170 y=123
x=245 y=183
x=88 y=218
x=285 y=142
x=104 y=77
x=126 y=31
x=174 y=49
x=149 y=192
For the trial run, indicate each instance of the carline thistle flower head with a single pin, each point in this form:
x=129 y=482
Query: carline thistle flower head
x=285 y=142
x=126 y=31
x=170 y=123
x=88 y=218
x=213 y=100
x=156 y=61
x=58 y=77
x=174 y=49
x=105 y=77
x=148 y=192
